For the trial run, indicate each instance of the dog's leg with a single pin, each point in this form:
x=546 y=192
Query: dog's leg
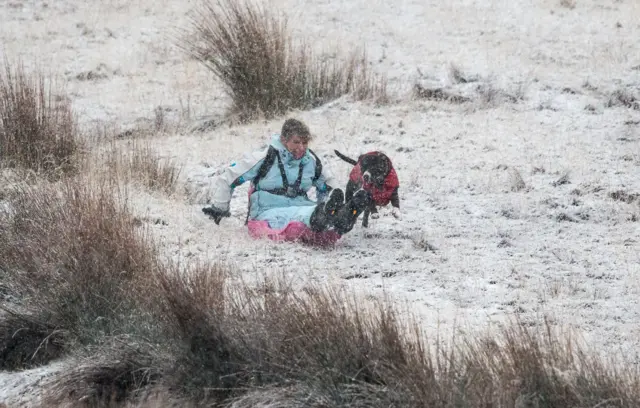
x=365 y=218
x=371 y=210
x=395 y=203
x=395 y=198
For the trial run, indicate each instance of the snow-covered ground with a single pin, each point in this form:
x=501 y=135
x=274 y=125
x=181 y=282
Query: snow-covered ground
x=474 y=245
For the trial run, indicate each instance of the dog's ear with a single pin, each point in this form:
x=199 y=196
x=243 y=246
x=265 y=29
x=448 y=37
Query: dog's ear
x=387 y=164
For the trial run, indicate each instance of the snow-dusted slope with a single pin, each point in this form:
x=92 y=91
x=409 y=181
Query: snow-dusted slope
x=474 y=244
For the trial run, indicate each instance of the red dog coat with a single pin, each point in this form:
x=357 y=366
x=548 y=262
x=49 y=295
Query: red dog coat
x=381 y=197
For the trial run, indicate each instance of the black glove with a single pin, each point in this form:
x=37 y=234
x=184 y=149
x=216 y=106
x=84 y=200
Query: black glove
x=215 y=213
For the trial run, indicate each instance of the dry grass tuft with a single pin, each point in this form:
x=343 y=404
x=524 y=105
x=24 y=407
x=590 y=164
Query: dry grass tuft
x=264 y=71
x=74 y=254
x=115 y=374
x=516 y=182
x=137 y=161
x=438 y=94
x=38 y=129
x=624 y=98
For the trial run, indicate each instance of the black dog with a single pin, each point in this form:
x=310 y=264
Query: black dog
x=374 y=173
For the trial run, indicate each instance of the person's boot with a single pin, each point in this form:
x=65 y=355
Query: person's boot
x=324 y=214
x=347 y=216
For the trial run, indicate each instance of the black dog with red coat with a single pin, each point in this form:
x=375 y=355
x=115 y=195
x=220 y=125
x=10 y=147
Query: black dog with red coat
x=374 y=173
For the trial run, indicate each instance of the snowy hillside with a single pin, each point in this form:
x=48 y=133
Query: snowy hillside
x=522 y=199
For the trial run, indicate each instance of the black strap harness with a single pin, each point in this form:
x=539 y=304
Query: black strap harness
x=286 y=189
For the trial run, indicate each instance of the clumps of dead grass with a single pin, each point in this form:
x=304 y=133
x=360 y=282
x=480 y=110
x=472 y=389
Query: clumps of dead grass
x=264 y=71
x=623 y=97
x=624 y=196
x=240 y=345
x=458 y=76
x=268 y=345
x=75 y=260
x=516 y=182
x=38 y=130
x=438 y=94
x=470 y=90
x=139 y=324
x=491 y=95
x=136 y=161
x=116 y=374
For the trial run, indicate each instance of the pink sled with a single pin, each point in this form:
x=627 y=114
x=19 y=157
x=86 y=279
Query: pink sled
x=294 y=231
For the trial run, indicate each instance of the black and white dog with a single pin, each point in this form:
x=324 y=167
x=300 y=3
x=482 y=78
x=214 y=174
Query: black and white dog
x=374 y=173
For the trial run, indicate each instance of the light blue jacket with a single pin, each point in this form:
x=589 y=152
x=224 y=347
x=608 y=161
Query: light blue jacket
x=278 y=210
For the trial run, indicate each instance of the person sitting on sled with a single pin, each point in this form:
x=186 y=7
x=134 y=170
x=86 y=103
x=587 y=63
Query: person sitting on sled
x=280 y=176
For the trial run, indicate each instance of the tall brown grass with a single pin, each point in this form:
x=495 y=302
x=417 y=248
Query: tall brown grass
x=267 y=345
x=136 y=161
x=73 y=256
x=237 y=345
x=38 y=130
x=263 y=69
x=86 y=282
x=272 y=346
x=114 y=375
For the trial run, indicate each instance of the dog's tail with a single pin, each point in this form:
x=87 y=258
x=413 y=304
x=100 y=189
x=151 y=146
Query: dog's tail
x=345 y=158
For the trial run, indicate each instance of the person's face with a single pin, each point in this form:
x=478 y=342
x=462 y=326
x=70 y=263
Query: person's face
x=296 y=146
